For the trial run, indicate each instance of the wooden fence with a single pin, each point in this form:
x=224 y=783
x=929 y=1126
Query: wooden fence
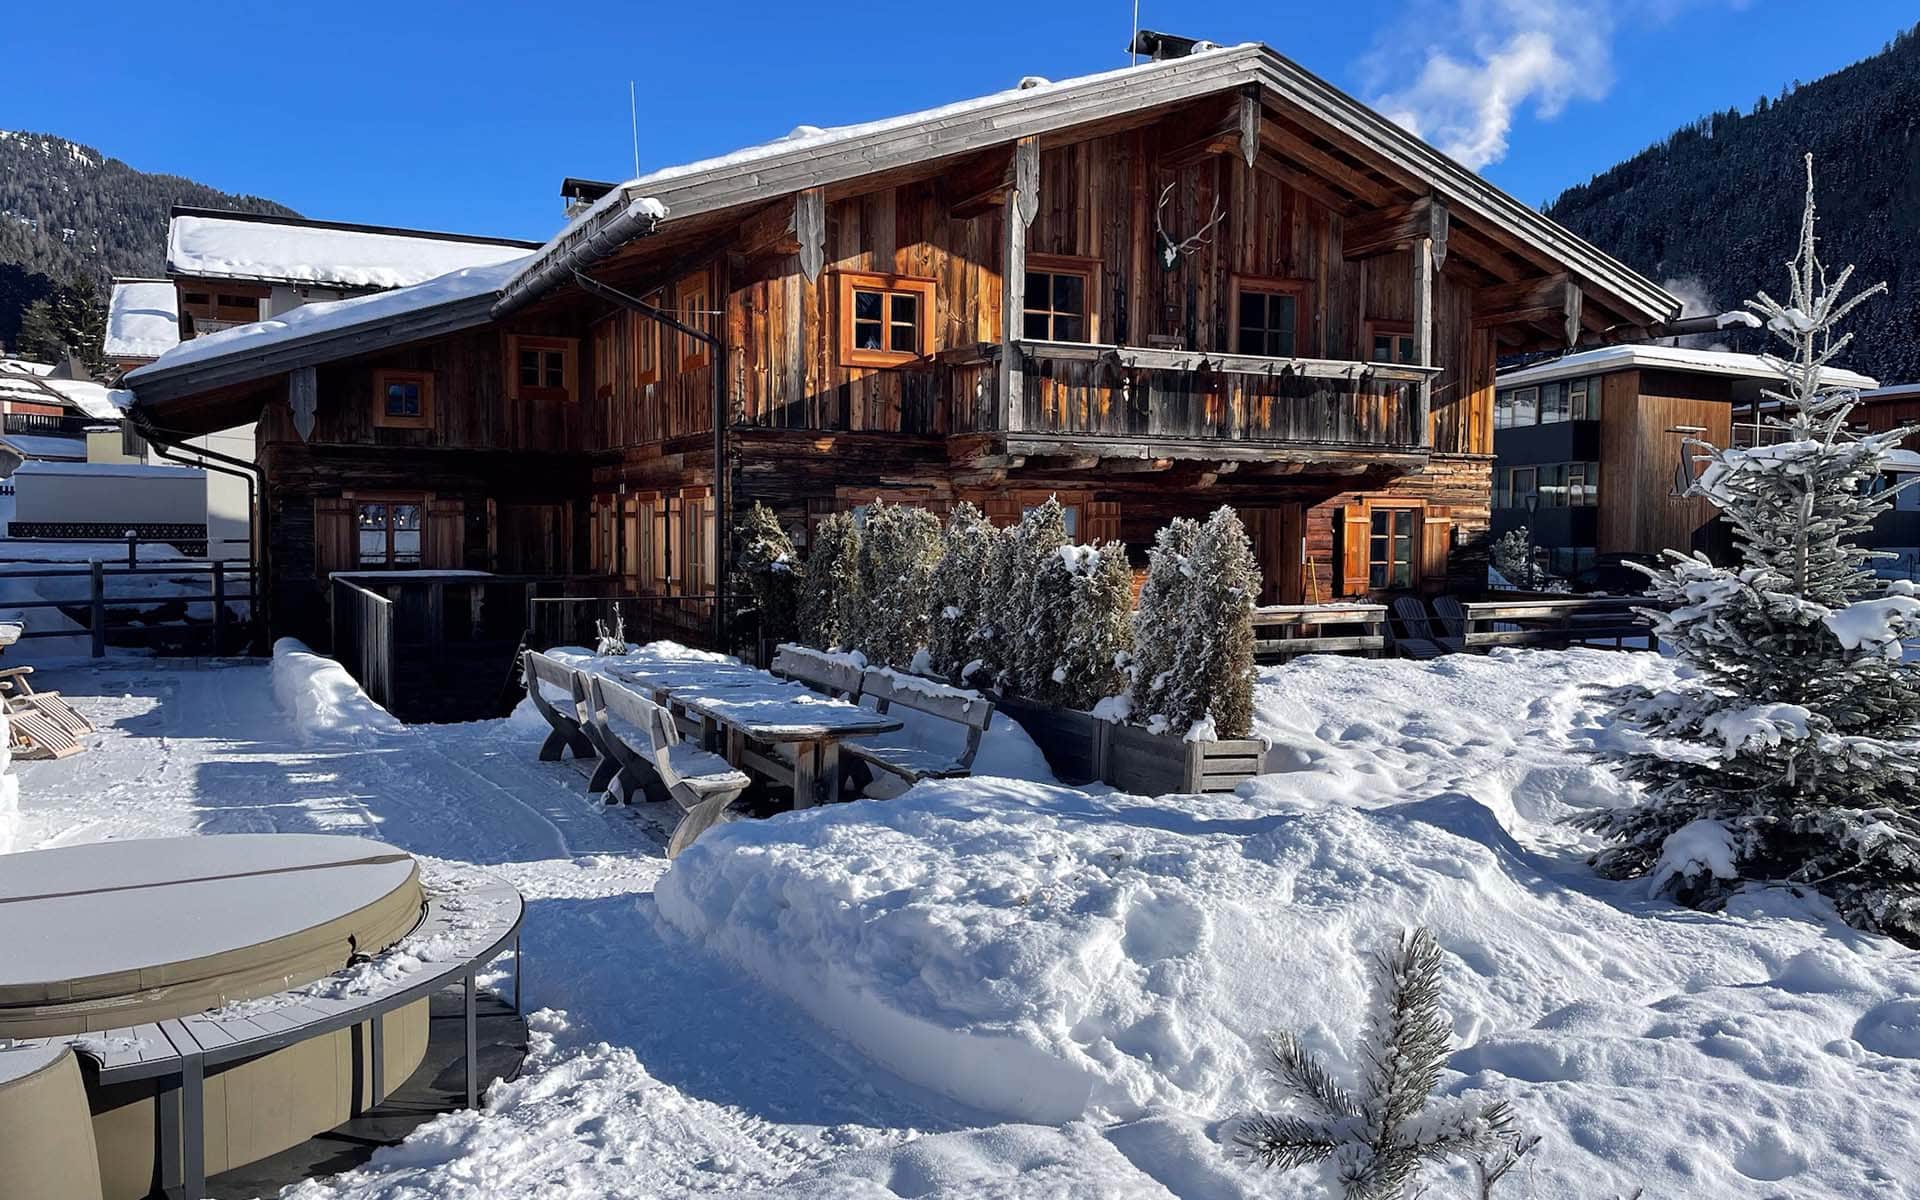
x=1582 y=621
x=1281 y=631
x=363 y=638
x=224 y=631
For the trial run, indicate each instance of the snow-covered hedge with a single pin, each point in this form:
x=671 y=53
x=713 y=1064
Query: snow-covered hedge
x=772 y=568
x=326 y=703
x=899 y=549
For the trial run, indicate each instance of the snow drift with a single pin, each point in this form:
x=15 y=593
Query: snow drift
x=327 y=705
x=1044 y=954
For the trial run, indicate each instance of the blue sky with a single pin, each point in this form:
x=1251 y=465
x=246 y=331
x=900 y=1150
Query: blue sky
x=466 y=116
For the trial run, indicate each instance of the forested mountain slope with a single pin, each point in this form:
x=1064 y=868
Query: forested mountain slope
x=1717 y=205
x=70 y=214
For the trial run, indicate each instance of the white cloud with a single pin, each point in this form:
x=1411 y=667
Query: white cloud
x=1457 y=72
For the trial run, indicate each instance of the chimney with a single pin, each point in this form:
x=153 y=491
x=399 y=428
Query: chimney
x=1161 y=46
x=581 y=193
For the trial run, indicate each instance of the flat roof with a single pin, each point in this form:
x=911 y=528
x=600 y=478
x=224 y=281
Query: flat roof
x=143 y=319
x=249 y=247
x=1723 y=363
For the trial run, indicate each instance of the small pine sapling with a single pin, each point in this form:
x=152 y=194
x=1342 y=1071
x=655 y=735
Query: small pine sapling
x=1377 y=1137
x=959 y=589
x=770 y=566
x=1787 y=752
x=830 y=585
x=1159 y=622
x=899 y=549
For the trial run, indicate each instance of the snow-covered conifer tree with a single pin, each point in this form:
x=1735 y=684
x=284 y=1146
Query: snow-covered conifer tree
x=830 y=601
x=1375 y=1139
x=1787 y=753
x=1001 y=599
x=1100 y=641
x=899 y=549
x=960 y=587
x=1214 y=696
x=1159 y=624
x=1039 y=536
x=768 y=561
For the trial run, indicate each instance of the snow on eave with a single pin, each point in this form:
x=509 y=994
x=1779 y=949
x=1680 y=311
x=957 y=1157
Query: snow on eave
x=756 y=174
x=143 y=319
x=203 y=245
x=325 y=319
x=1666 y=358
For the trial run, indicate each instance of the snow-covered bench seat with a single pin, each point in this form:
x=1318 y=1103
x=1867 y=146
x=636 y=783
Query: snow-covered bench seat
x=835 y=674
x=912 y=762
x=647 y=756
x=557 y=693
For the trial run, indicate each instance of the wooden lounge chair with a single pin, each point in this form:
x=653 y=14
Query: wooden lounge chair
x=656 y=760
x=32 y=734
x=1414 y=637
x=566 y=721
x=1453 y=623
x=15 y=686
x=911 y=764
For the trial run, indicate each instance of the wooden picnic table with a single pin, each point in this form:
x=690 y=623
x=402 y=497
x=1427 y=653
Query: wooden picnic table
x=737 y=705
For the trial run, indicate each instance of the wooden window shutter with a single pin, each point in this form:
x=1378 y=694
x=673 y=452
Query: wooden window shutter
x=1436 y=539
x=333 y=536
x=1103 y=522
x=446 y=534
x=1353 y=549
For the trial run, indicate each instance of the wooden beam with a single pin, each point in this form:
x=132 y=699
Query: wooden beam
x=1022 y=205
x=1424 y=269
x=1576 y=300
x=768 y=231
x=810 y=227
x=1283 y=140
x=1483 y=254
x=1308 y=184
x=1524 y=300
x=980 y=186
x=1250 y=119
x=1395 y=228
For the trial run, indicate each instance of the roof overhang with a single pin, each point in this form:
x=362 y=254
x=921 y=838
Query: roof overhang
x=836 y=156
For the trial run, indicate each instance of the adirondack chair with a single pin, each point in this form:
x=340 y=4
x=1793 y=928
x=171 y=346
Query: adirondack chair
x=911 y=764
x=1453 y=623
x=650 y=758
x=565 y=718
x=819 y=671
x=1415 y=637
x=16 y=686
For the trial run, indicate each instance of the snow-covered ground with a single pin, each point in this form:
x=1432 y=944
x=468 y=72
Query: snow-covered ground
x=1005 y=988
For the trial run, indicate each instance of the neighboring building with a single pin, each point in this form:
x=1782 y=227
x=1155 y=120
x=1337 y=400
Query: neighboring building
x=143 y=322
x=1589 y=448
x=1211 y=280
x=1898 y=532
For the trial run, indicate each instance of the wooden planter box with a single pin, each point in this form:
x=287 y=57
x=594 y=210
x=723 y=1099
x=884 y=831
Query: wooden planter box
x=1080 y=749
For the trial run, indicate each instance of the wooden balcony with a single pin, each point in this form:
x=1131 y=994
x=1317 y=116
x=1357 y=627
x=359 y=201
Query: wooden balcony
x=1138 y=402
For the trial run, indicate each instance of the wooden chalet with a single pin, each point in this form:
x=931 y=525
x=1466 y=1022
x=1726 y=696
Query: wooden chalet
x=1202 y=281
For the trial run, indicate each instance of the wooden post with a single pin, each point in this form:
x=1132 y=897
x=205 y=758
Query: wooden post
x=133 y=549
x=1022 y=205
x=97 y=610
x=1423 y=271
x=219 y=606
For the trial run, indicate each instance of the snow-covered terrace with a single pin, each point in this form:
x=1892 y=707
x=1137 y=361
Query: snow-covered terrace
x=1000 y=987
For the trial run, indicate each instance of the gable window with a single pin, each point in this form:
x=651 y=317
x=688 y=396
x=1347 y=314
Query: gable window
x=1390 y=548
x=388 y=533
x=540 y=368
x=1059 y=301
x=885 y=320
x=1390 y=342
x=403 y=399
x=1268 y=317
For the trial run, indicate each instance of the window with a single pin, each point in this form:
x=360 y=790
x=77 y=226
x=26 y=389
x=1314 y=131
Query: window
x=388 y=533
x=1547 y=403
x=646 y=342
x=1390 y=548
x=403 y=399
x=1391 y=342
x=695 y=314
x=1553 y=403
x=885 y=320
x=1059 y=302
x=1267 y=317
x=1521 y=483
x=540 y=368
x=1526 y=406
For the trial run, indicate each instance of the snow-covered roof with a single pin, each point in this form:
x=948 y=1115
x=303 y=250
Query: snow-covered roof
x=32 y=383
x=1666 y=358
x=143 y=319
x=115 y=470
x=1893 y=391
x=210 y=245
x=43 y=447
x=811 y=156
x=312 y=320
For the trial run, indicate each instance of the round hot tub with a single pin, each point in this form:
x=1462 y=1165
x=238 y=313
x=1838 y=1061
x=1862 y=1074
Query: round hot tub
x=216 y=999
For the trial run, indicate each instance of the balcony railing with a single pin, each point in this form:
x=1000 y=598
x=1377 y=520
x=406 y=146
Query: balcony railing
x=1092 y=392
x=46 y=423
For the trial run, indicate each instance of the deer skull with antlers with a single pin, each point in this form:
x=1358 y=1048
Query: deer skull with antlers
x=1171 y=251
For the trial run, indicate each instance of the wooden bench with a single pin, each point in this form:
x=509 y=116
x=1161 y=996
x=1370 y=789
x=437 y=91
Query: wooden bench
x=967 y=710
x=646 y=755
x=823 y=672
x=568 y=733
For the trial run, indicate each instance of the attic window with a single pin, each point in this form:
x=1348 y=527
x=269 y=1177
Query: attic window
x=885 y=320
x=403 y=399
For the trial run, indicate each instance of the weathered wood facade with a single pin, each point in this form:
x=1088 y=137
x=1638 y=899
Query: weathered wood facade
x=1216 y=298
